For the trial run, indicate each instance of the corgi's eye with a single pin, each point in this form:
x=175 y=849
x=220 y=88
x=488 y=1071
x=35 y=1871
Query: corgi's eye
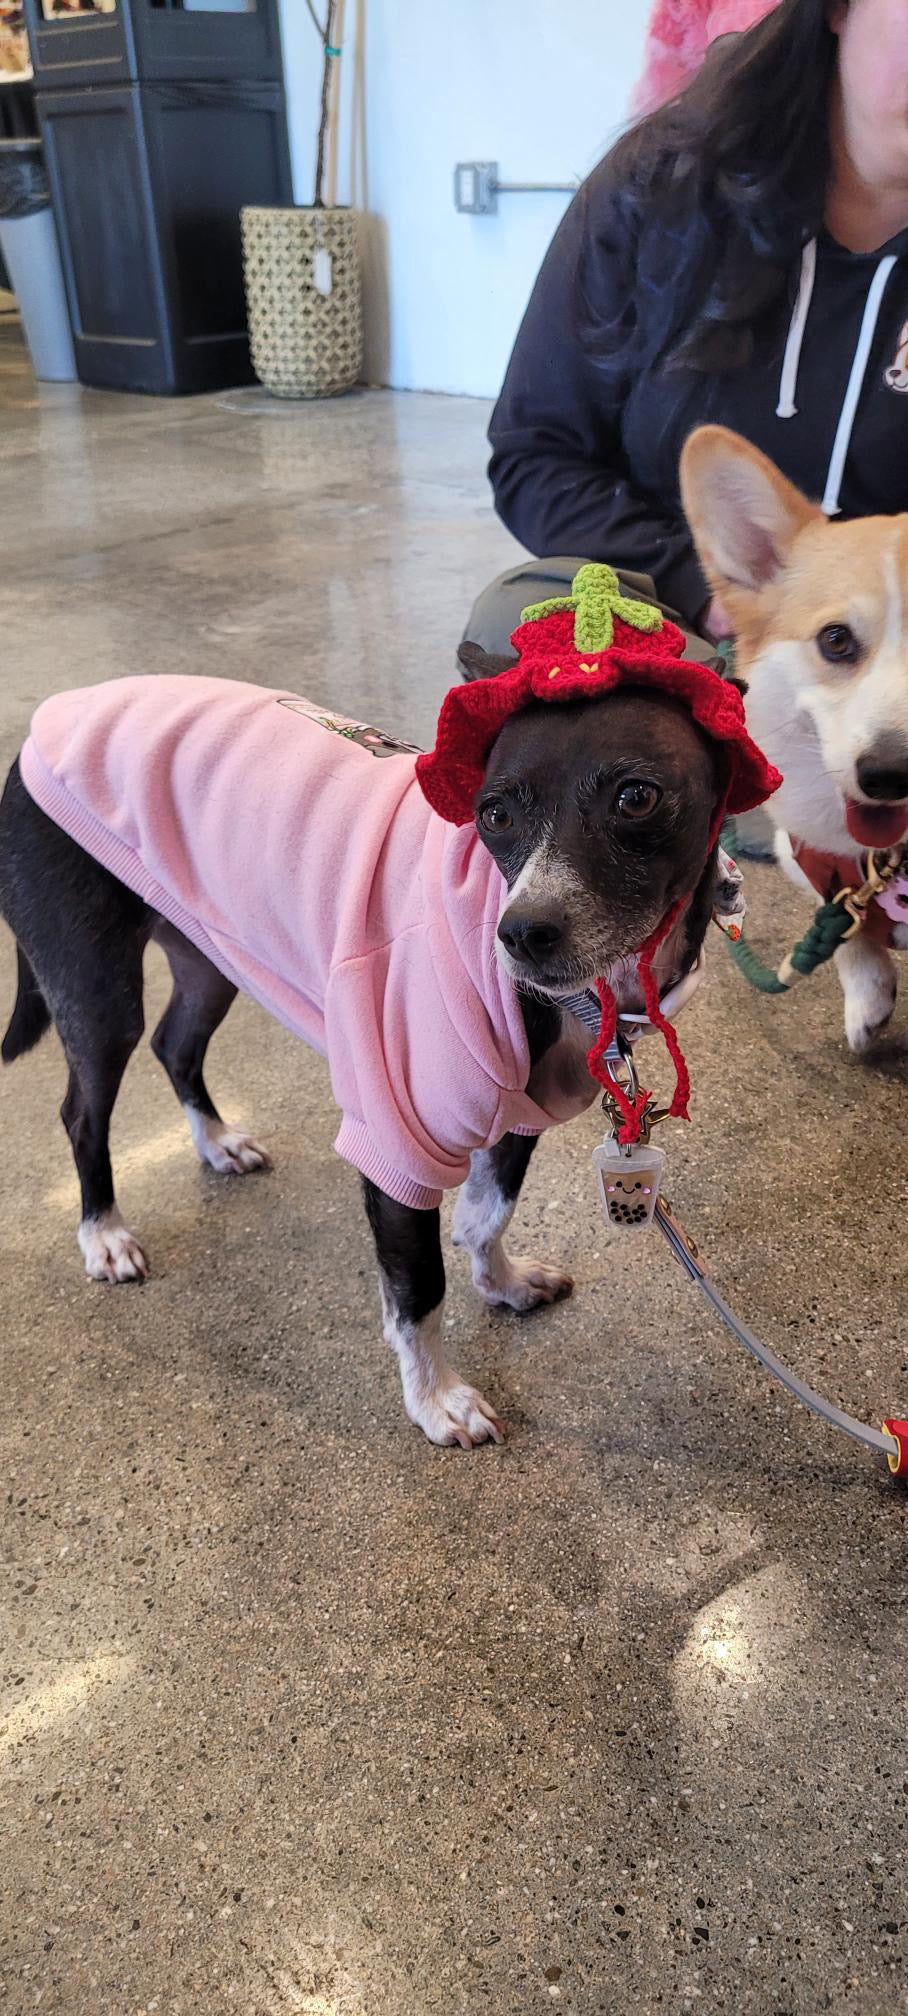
x=637 y=799
x=838 y=644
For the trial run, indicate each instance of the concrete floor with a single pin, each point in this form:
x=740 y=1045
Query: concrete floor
x=298 y=1713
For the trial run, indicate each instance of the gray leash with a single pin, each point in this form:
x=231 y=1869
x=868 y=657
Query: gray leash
x=894 y=1446
x=687 y=1255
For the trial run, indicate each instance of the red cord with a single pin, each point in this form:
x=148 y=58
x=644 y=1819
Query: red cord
x=678 y=1109
x=633 y=1110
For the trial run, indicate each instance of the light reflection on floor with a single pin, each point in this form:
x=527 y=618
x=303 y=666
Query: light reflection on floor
x=41 y=1710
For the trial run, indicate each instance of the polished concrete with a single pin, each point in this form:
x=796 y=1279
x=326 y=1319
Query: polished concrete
x=296 y=1712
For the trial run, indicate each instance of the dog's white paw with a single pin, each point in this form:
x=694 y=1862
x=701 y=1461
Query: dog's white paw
x=224 y=1148
x=450 y=1412
x=522 y=1284
x=110 y=1251
x=868 y=978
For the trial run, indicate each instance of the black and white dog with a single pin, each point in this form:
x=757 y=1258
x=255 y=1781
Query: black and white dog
x=599 y=816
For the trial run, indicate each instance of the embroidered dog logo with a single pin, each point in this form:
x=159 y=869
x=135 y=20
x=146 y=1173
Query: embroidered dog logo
x=897 y=373
x=373 y=739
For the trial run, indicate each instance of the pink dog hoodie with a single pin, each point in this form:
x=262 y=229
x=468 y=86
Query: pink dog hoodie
x=319 y=881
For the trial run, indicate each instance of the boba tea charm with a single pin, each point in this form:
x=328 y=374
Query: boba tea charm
x=629 y=1180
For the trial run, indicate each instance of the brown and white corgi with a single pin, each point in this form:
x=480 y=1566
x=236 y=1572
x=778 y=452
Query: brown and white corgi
x=820 y=612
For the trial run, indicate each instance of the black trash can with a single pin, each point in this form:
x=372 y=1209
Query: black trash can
x=159 y=123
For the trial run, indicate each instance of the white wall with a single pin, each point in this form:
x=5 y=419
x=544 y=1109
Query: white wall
x=540 y=86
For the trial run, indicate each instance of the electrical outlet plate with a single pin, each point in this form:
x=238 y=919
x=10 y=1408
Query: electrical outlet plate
x=476 y=188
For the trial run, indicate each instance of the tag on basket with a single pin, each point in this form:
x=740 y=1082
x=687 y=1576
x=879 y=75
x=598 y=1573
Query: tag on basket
x=629 y=1181
x=321 y=270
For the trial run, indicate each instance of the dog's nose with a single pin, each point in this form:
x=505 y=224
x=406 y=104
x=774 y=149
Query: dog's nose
x=882 y=772
x=528 y=936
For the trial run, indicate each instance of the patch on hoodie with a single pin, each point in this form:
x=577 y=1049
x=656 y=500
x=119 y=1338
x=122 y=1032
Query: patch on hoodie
x=897 y=372
x=373 y=739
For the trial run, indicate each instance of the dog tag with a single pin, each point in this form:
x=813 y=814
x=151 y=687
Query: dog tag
x=321 y=270
x=629 y=1180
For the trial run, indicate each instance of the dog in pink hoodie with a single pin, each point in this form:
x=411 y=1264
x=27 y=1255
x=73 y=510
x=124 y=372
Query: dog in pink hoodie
x=431 y=923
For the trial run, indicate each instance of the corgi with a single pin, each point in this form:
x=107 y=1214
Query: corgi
x=820 y=613
x=897 y=374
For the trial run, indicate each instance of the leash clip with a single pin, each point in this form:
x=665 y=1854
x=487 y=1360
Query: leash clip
x=880 y=869
x=620 y=1054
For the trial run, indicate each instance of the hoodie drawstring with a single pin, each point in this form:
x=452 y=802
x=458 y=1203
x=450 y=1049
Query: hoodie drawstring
x=788 y=386
x=842 y=441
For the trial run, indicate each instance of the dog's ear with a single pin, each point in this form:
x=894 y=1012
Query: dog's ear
x=480 y=664
x=743 y=514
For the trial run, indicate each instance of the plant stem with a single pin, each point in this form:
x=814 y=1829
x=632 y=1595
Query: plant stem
x=323 y=120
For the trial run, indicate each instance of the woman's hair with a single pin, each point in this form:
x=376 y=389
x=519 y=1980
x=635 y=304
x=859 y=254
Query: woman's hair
x=718 y=191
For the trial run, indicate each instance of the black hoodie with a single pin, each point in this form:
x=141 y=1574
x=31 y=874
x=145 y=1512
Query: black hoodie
x=585 y=465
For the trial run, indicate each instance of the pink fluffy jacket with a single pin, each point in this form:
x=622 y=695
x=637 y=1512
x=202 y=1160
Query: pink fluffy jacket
x=678 y=36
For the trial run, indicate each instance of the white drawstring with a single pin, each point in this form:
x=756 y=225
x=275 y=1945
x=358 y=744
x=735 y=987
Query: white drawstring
x=788 y=385
x=842 y=441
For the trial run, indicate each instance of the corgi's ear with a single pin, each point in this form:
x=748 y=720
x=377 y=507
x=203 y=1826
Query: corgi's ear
x=743 y=514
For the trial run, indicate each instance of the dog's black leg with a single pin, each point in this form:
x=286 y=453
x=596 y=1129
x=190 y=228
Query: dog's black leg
x=412 y=1279
x=81 y=936
x=200 y=1000
x=99 y=1029
x=482 y=1214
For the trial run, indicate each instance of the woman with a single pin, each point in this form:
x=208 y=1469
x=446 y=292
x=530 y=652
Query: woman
x=741 y=256
x=678 y=36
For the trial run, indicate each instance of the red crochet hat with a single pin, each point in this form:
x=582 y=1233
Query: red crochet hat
x=578 y=647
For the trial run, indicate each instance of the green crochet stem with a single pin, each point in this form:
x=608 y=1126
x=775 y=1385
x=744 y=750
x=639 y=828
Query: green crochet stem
x=596 y=600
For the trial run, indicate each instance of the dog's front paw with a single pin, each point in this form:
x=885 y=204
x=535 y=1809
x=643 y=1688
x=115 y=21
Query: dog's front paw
x=110 y=1251
x=223 y=1148
x=863 y=1034
x=522 y=1284
x=451 y=1412
x=868 y=979
x=869 y=1006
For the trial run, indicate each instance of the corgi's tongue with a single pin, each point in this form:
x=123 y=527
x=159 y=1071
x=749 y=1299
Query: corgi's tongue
x=875 y=825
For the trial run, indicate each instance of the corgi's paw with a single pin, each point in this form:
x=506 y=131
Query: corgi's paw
x=110 y=1251
x=868 y=978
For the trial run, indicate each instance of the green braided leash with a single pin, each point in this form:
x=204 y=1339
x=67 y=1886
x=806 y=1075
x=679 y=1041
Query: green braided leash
x=833 y=923
x=831 y=926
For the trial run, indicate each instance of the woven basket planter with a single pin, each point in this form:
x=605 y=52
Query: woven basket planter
x=305 y=343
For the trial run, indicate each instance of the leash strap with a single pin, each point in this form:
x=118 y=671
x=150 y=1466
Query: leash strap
x=892 y=1444
x=834 y=922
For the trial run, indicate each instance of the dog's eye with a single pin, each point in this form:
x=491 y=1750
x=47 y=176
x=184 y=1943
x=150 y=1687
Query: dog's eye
x=637 y=799
x=838 y=644
x=495 y=817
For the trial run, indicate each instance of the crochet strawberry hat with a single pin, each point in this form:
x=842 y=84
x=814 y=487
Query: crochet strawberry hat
x=579 y=647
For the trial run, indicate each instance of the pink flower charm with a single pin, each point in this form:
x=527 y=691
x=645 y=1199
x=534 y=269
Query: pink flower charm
x=894 y=899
